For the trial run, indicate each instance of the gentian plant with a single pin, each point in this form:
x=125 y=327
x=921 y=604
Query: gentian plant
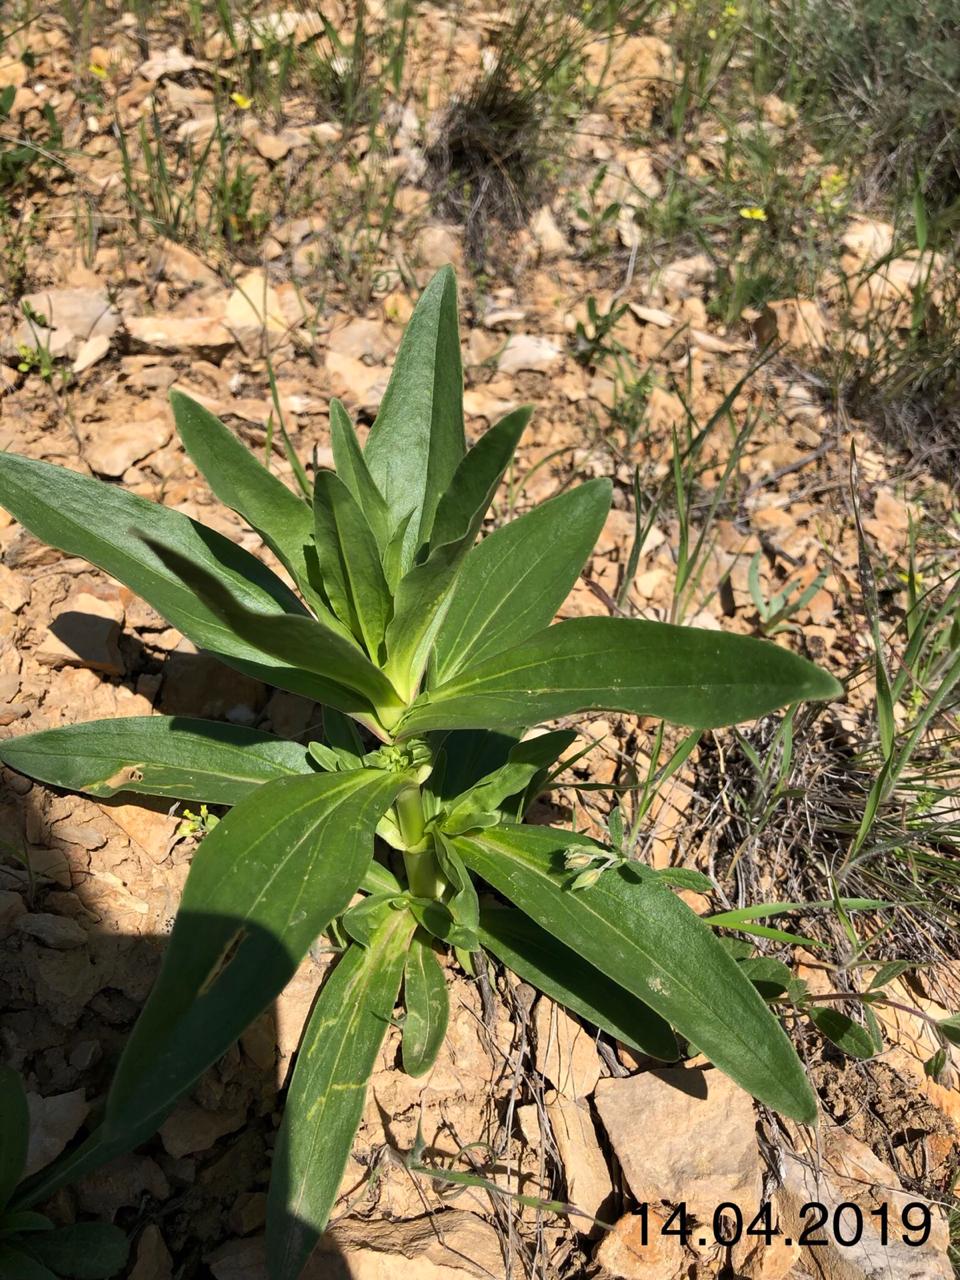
x=433 y=655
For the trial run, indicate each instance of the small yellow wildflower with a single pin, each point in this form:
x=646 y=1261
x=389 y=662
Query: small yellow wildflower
x=97 y=70
x=712 y=33
x=731 y=11
x=753 y=213
x=242 y=101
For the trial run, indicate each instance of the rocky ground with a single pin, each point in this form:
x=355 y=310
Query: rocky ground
x=104 y=318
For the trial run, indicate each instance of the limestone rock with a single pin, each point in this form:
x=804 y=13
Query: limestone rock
x=14 y=592
x=528 y=351
x=84 y=634
x=437 y=246
x=191 y=1128
x=53 y=1122
x=451 y=1245
x=361 y=339
x=90 y=352
x=71 y=317
x=114 y=446
x=153 y=1260
x=59 y=932
x=794 y=323
x=585 y=1170
x=702 y=1148
x=625 y=1256
x=195 y=335
x=839 y=1169
x=549 y=237
x=565 y=1053
x=255 y=304
x=195 y=683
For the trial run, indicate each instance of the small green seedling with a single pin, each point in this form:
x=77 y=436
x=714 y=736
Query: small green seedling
x=433 y=655
x=31 y=1246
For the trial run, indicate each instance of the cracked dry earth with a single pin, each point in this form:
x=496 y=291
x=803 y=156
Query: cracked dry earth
x=522 y=1093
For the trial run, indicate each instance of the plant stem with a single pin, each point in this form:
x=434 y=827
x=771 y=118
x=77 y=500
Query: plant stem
x=423 y=874
x=410 y=820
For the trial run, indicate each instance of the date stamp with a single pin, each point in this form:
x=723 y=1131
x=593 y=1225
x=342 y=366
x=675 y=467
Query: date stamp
x=842 y=1224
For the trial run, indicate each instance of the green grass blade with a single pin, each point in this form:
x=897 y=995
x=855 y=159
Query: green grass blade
x=198 y=760
x=325 y=1100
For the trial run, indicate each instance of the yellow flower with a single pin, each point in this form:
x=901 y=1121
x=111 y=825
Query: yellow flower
x=712 y=33
x=97 y=70
x=753 y=213
x=731 y=11
x=242 y=101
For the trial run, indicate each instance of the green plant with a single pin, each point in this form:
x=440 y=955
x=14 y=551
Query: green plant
x=31 y=1247
x=774 y=612
x=432 y=657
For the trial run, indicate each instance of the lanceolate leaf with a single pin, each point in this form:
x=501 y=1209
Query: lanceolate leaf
x=325 y=1101
x=641 y=935
x=114 y=530
x=688 y=676
x=526 y=760
x=14 y=1131
x=17 y=1265
x=83 y=1251
x=198 y=760
x=315 y=660
x=538 y=958
x=351 y=467
x=350 y=559
x=263 y=884
x=417 y=439
x=240 y=481
x=426 y=1006
x=513 y=582
x=424 y=591
x=848 y=1035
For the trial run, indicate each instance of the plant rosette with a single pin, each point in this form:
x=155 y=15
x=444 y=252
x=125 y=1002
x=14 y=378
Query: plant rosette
x=432 y=653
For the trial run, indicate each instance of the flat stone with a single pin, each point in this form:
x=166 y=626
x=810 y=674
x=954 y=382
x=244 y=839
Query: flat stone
x=53 y=1122
x=190 y=1128
x=59 y=932
x=195 y=683
x=565 y=1053
x=684 y=1133
x=585 y=1170
x=90 y=352
x=173 y=334
x=528 y=351
x=452 y=1245
x=115 y=446
x=793 y=323
x=84 y=634
x=14 y=592
x=255 y=304
x=362 y=339
x=72 y=316
x=625 y=1255
x=153 y=1260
